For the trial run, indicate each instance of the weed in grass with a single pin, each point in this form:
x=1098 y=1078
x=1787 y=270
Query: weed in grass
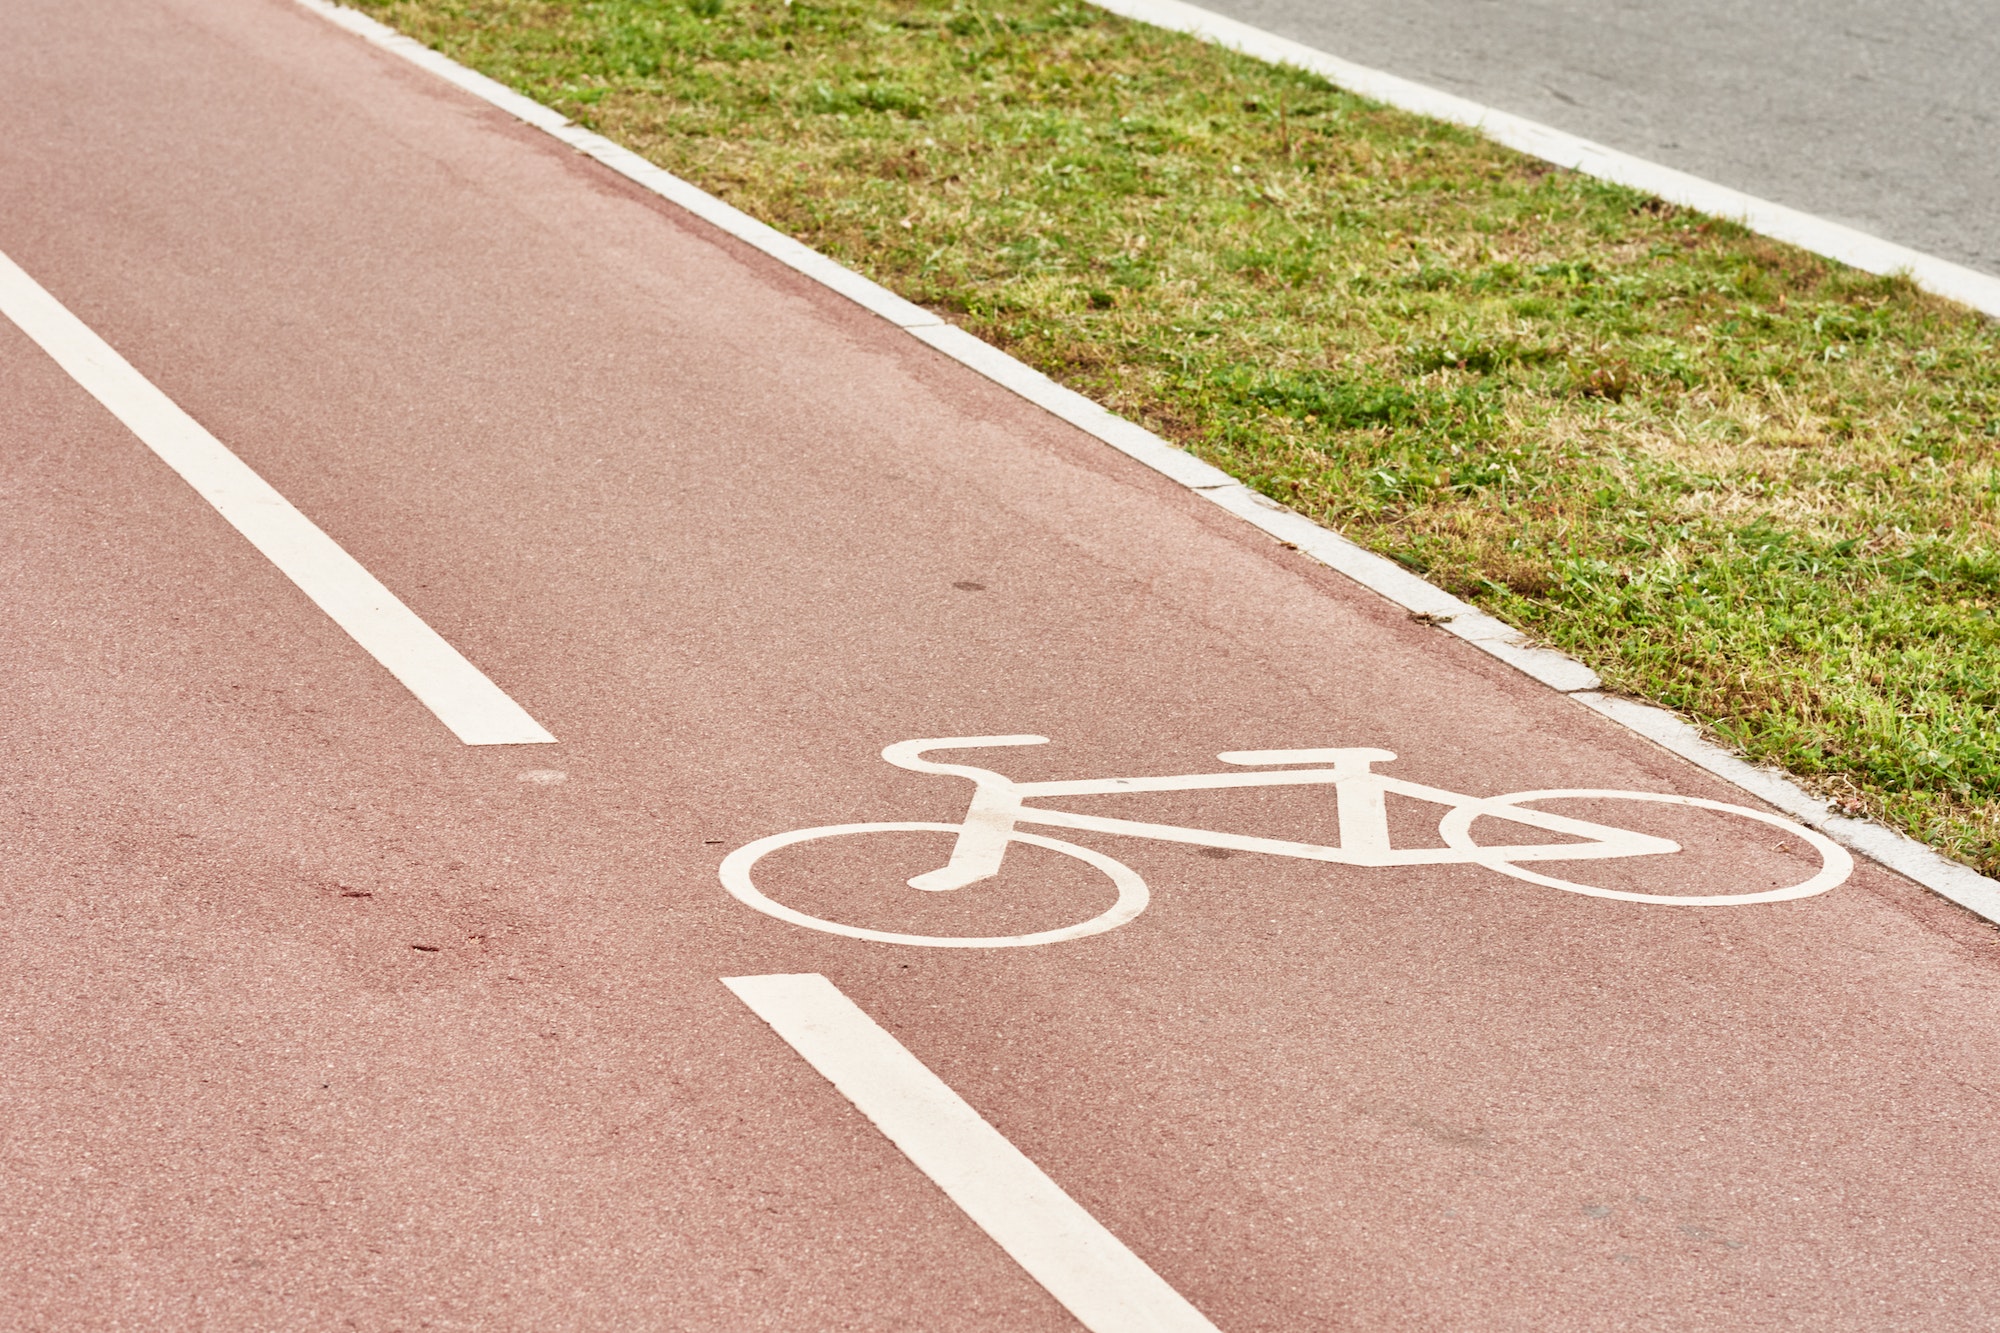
x=1733 y=477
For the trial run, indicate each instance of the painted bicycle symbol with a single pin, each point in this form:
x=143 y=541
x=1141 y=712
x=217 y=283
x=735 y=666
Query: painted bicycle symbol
x=1000 y=806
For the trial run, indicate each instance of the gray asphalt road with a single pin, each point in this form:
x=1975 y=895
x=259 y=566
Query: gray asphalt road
x=1883 y=116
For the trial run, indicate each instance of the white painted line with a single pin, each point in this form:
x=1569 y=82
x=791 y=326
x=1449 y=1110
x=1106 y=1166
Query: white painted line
x=475 y=709
x=1086 y=1268
x=1856 y=248
x=1962 y=884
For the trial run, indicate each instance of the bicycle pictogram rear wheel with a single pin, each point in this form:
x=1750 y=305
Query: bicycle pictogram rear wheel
x=1456 y=829
x=736 y=868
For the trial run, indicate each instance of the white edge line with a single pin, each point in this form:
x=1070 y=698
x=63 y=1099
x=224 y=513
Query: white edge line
x=1950 y=879
x=1856 y=248
x=476 y=710
x=1087 y=1269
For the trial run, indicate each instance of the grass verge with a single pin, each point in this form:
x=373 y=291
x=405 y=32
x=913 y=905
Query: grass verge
x=1736 y=479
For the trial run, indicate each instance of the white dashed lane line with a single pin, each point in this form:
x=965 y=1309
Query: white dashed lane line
x=1087 y=1269
x=464 y=699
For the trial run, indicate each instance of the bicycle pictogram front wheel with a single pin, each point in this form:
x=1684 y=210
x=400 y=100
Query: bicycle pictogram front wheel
x=1456 y=829
x=736 y=877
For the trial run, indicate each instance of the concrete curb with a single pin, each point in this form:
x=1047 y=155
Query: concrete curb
x=1960 y=883
x=1858 y=249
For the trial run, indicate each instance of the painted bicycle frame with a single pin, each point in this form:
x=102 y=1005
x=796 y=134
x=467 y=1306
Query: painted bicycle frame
x=999 y=805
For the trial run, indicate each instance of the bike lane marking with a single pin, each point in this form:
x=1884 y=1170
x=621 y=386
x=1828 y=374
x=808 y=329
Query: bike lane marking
x=1087 y=1269
x=463 y=697
x=998 y=809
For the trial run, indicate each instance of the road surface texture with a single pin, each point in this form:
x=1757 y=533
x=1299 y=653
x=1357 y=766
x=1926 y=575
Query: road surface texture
x=318 y=1018
x=1884 y=117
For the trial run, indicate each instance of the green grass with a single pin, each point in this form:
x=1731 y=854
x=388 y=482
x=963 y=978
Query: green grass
x=1736 y=479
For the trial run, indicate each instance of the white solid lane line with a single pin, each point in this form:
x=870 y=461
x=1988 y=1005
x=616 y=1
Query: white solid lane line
x=477 y=711
x=1107 y=1287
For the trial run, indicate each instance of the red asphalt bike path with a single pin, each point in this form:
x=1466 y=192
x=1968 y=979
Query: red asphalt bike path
x=709 y=524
